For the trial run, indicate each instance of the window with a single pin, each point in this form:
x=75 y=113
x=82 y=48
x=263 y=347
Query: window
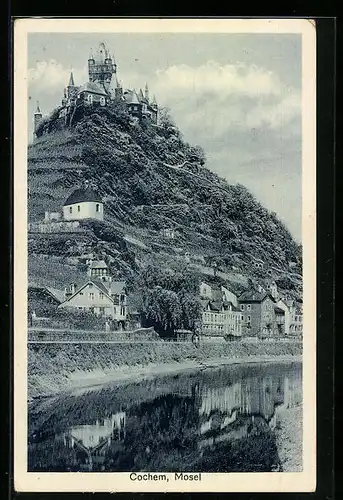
x=102 y=310
x=102 y=101
x=242 y=307
x=242 y=318
x=248 y=307
x=122 y=297
x=70 y=210
x=90 y=285
x=249 y=318
x=97 y=207
x=90 y=98
x=91 y=296
x=81 y=293
x=101 y=296
x=78 y=208
x=122 y=311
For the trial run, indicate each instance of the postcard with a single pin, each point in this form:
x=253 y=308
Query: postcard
x=164 y=255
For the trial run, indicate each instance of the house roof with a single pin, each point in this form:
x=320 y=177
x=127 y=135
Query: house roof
x=82 y=195
x=215 y=305
x=253 y=296
x=279 y=310
x=94 y=88
x=204 y=303
x=56 y=293
x=117 y=286
x=131 y=97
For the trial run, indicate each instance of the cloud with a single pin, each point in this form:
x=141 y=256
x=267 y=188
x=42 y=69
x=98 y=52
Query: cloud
x=214 y=98
x=51 y=76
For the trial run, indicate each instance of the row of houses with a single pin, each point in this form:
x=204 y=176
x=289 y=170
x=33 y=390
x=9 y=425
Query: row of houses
x=255 y=313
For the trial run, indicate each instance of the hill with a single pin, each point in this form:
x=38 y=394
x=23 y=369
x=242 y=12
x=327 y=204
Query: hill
x=152 y=180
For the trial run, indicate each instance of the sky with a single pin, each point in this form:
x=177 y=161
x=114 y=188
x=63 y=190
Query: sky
x=236 y=95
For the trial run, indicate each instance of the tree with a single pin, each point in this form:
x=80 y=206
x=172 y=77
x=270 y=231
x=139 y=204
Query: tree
x=168 y=299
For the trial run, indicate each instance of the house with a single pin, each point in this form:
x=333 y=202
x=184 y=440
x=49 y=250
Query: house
x=296 y=317
x=168 y=233
x=281 y=304
x=220 y=318
x=258 y=313
x=280 y=320
x=83 y=203
x=99 y=295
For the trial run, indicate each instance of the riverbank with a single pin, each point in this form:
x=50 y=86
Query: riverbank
x=289 y=438
x=55 y=368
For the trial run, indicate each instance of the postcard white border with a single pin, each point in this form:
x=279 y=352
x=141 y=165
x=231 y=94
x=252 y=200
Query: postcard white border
x=120 y=482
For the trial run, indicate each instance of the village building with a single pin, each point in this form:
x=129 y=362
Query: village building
x=296 y=318
x=220 y=314
x=99 y=295
x=258 y=314
x=221 y=318
x=83 y=203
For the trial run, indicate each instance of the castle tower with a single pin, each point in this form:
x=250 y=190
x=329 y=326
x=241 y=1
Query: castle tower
x=101 y=67
x=36 y=118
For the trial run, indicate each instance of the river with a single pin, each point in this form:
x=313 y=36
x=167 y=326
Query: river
x=215 y=420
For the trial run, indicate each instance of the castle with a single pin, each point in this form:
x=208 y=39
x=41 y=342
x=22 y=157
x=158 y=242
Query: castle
x=103 y=88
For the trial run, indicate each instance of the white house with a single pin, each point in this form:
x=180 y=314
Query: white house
x=99 y=294
x=83 y=203
x=221 y=318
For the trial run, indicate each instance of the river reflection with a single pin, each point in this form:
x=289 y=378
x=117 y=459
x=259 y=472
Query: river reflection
x=217 y=420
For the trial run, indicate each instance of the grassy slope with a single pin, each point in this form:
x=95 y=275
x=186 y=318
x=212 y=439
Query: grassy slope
x=132 y=168
x=51 y=365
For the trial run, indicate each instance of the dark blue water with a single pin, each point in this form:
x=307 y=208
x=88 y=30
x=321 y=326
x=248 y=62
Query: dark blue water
x=215 y=420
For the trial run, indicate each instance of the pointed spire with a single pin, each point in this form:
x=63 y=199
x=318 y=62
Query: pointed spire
x=146 y=92
x=154 y=100
x=141 y=95
x=71 y=80
x=38 y=111
x=91 y=55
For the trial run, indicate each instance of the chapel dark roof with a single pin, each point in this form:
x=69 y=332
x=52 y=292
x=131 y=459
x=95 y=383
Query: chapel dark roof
x=81 y=195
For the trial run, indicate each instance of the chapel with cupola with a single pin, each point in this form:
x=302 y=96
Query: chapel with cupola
x=83 y=203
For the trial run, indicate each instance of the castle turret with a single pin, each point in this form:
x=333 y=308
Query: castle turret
x=146 y=92
x=36 y=118
x=101 y=67
x=154 y=103
x=71 y=86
